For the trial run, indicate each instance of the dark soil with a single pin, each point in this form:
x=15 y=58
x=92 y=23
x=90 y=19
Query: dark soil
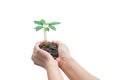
x=50 y=47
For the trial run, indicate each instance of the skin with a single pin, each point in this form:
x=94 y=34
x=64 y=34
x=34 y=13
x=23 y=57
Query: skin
x=67 y=64
x=45 y=60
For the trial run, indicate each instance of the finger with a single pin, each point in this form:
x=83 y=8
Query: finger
x=58 y=59
x=36 y=48
x=41 y=42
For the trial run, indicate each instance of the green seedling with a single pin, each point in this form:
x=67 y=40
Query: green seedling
x=46 y=26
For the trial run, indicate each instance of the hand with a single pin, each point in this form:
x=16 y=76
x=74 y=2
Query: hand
x=41 y=57
x=63 y=51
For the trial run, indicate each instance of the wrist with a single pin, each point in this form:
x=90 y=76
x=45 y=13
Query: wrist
x=51 y=64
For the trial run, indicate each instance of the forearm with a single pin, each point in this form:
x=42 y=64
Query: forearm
x=53 y=72
x=74 y=71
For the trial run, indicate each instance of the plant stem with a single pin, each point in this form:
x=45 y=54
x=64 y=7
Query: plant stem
x=45 y=33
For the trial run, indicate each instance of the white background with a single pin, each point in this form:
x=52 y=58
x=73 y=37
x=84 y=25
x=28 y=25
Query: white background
x=90 y=28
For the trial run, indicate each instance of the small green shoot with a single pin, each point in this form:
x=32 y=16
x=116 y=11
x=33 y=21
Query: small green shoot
x=42 y=24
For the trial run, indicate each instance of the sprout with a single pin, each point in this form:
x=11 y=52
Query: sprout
x=42 y=24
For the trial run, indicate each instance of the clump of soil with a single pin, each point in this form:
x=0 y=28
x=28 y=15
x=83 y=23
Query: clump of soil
x=50 y=47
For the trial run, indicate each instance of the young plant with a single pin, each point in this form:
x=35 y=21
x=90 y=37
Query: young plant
x=42 y=24
x=50 y=47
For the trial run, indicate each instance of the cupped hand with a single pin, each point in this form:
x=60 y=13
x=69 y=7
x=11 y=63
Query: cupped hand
x=63 y=50
x=41 y=57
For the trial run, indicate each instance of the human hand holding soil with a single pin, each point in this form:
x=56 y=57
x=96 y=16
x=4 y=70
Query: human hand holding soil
x=68 y=65
x=41 y=57
x=63 y=51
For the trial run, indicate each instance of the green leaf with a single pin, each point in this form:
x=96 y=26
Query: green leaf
x=38 y=28
x=42 y=21
x=46 y=29
x=38 y=22
x=54 y=23
x=52 y=27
